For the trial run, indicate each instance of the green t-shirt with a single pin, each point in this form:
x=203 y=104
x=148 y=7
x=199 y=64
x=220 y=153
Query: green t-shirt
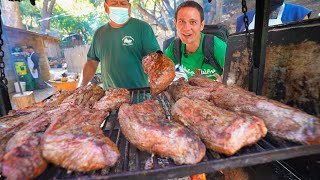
x=195 y=60
x=120 y=52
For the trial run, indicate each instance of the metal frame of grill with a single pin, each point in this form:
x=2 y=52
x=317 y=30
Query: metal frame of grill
x=132 y=162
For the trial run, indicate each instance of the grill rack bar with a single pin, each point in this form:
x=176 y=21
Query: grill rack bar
x=132 y=163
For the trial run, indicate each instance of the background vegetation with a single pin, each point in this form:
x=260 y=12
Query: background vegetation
x=65 y=17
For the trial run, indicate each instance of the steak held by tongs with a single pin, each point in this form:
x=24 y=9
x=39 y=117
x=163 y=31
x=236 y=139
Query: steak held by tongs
x=160 y=70
x=146 y=127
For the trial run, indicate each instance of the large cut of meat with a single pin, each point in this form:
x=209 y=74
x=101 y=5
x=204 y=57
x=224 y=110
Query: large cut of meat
x=11 y=124
x=77 y=143
x=281 y=120
x=146 y=127
x=23 y=158
x=113 y=99
x=160 y=70
x=16 y=119
x=181 y=88
x=84 y=97
x=221 y=130
x=57 y=99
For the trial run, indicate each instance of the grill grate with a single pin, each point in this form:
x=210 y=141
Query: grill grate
x=134 y=164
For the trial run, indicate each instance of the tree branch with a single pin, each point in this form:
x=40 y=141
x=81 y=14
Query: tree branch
x=149 y=17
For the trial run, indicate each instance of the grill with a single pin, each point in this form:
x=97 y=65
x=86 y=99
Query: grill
x=134 y=164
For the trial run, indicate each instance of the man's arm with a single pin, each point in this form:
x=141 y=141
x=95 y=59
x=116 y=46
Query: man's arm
x=88 y=72
x=35 y=59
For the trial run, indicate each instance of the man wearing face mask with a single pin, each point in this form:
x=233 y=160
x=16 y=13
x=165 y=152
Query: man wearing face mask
x=280 y=13
x=119 y=46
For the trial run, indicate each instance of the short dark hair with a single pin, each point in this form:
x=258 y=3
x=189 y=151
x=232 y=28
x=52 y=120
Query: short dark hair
x=107 y=0
x=29 y=47
x=192 y=4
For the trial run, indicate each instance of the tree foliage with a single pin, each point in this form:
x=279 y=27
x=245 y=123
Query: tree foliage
x=30 y=15
x=85 y=16
x=68 y=17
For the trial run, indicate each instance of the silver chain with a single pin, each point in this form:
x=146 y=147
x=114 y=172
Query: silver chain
x=248 y=35
x=2 y=65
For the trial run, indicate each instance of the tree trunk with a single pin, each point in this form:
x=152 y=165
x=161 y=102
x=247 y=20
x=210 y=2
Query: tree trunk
x=149 y=18
x=46 y=14
x=215 y=13
x=164 y=15
x=211 y=13
x=10 y=14
x=169 y=9
x=218 y=11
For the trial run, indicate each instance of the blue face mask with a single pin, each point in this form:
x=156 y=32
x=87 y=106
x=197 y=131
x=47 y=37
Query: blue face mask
x=118 y=15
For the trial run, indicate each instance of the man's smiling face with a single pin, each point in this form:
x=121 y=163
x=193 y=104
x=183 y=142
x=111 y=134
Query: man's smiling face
x=189 y=25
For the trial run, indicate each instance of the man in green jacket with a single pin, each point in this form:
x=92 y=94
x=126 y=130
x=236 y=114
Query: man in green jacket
x=119 y=46
x=189 y=22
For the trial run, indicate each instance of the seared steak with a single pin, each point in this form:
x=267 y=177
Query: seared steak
x=77 y=143
x=16 y=119
x=8 y=123
x=57 y=99
x=221 y=130
x=281 y=120
x=11 y=124
x=146 y=127
x=181 y=88
x=113 y=99
x=23 y=158
x=160 y=70
x=84 y=97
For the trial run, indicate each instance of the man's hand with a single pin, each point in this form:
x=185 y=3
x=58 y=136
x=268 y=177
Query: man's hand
x=33 y=70
x=88 y=72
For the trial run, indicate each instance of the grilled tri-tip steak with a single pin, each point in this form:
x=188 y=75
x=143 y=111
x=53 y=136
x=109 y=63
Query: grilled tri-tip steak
x=57 y=99
x=84 y=96
x=10 y=125
x=281 y=120
x=181 y=88
x=23 y=158
x=221 y=130
x=160 y=70
x=77 y=143
x=113 y=99
x=146 y=127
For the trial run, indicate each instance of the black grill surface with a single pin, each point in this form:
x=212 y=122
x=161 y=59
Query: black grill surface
x=134 y=164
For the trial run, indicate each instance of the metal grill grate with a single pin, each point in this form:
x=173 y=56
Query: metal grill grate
x=134 y=164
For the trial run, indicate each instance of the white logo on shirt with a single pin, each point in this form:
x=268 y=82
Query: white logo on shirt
x=127 y=41
x=206 y=72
